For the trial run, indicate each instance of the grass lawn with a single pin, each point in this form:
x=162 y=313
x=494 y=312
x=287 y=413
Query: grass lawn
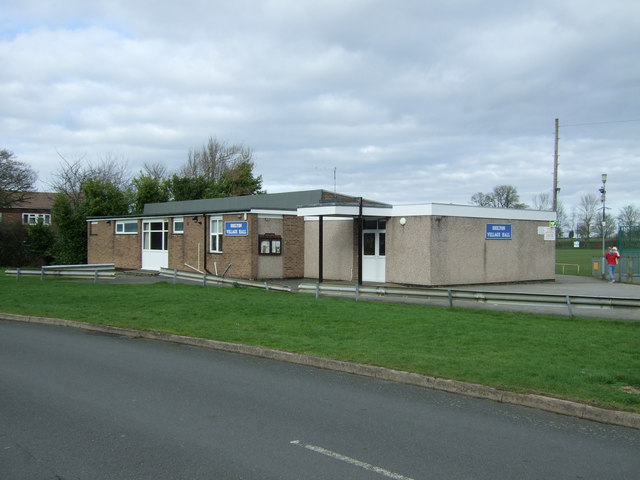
x=577 y=261
x=582 y=359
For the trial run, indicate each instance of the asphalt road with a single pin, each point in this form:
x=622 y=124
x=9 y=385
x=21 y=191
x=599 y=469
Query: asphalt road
x=82 y=405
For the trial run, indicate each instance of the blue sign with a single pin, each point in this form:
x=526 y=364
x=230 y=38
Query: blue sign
x=498 y=232
x=236 y=229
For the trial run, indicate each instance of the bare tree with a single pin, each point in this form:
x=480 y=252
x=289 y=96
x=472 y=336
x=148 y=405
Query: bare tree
x=587 y=215
x=157 y=171
x=72 y=174
x=482 y=199
x=542 y=201
x=503 y=196
x=215 y=159
x=17 y=179
x=629 y=216
x=610 y=228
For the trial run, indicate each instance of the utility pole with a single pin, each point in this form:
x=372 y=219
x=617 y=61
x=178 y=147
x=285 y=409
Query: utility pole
x=555 y=168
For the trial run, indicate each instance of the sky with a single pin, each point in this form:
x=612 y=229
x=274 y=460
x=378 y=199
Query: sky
x=411 y=101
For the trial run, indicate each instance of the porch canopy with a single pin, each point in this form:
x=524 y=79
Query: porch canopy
x=343 y=206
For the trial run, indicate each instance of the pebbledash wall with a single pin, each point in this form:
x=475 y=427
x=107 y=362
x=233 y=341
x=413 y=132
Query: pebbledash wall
x=434 y=245
x=278 y=236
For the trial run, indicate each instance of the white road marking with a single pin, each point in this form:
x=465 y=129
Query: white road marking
x=351 y=461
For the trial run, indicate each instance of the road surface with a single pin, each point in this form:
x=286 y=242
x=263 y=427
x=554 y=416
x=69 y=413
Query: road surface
x=82 y=405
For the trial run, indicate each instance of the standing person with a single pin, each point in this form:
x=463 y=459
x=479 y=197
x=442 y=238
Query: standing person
x=612 y=257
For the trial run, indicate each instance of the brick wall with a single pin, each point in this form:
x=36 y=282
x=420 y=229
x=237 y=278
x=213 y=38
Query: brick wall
x=293 y=251
x=104 y=246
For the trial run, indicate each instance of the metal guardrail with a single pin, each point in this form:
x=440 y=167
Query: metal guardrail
x=206 y=279
x=97 y=271
x=448 y=296
x=452 y=296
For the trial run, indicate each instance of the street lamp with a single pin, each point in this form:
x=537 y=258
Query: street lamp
x=603 y=198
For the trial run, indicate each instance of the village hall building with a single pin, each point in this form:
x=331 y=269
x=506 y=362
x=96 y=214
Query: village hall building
x=329 y=236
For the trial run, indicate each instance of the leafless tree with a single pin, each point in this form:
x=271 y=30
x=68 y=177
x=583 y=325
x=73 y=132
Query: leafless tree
x=503 y=196
x=587 y=215
x=215 y=159
x=72 y=174
x=17 y=179
x=543 y=201
x=629 y=216
x=157 y=171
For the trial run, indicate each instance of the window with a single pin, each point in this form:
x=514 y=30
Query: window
x=216 y=235
x=34 y=218
x=178 y=225
x=270 y=244
x=155 y=235
x=128 y=227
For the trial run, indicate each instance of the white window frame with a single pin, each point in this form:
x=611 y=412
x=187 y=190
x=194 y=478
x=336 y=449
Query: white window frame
x=123 y=229
x=216 y=230
x=178 y=220
x=32 y=218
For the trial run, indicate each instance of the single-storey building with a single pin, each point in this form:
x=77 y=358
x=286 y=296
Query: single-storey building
x=329 y=236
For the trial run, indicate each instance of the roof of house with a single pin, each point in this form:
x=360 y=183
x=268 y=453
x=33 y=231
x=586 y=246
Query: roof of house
x=36 y=201
x=271 y=201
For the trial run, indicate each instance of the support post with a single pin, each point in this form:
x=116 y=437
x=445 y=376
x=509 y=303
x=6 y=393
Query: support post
x=569 y=306
x=360 y=220
x=320 y=249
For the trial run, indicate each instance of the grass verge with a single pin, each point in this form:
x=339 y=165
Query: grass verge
x=588 y=360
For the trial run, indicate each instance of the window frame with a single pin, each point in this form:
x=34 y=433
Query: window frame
x=216 y=233
x=177 y=220
x=33 y=218
x=123 y=224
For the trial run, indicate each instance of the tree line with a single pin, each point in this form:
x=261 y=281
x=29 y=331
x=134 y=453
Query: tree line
x=83 y=189
x=584 y=221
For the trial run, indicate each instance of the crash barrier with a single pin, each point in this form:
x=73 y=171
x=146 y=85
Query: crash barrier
x=207 y=279
x=456 y=297
x=451 y=297
x=99 y=271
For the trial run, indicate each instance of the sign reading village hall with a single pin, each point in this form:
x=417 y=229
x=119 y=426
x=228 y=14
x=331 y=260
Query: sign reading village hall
x=498 y=232
x=236 y=229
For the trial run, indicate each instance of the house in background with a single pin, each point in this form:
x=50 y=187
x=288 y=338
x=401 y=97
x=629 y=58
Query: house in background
x=37 y=206
x=330 y=236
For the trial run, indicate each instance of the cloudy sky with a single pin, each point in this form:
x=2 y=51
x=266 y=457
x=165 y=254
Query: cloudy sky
x=408 y=101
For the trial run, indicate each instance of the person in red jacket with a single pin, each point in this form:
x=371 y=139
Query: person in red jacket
x=612 y=257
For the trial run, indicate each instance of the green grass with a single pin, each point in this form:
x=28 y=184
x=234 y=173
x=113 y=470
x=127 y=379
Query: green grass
x=578 y=261
x=589 y=360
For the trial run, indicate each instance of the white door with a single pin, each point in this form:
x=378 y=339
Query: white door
x=155 y=236
x=373 y=250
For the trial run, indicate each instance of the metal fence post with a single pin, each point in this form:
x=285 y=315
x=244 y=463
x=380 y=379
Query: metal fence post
x=569 y=306
x=450 y=295
x=41 y=273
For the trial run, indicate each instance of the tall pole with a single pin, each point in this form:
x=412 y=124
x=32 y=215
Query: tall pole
x=603 y=198
x=555 y=167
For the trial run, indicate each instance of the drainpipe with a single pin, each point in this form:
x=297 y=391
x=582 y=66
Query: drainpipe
x=204 y=229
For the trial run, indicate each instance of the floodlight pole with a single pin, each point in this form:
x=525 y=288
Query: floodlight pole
x=603 y=198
